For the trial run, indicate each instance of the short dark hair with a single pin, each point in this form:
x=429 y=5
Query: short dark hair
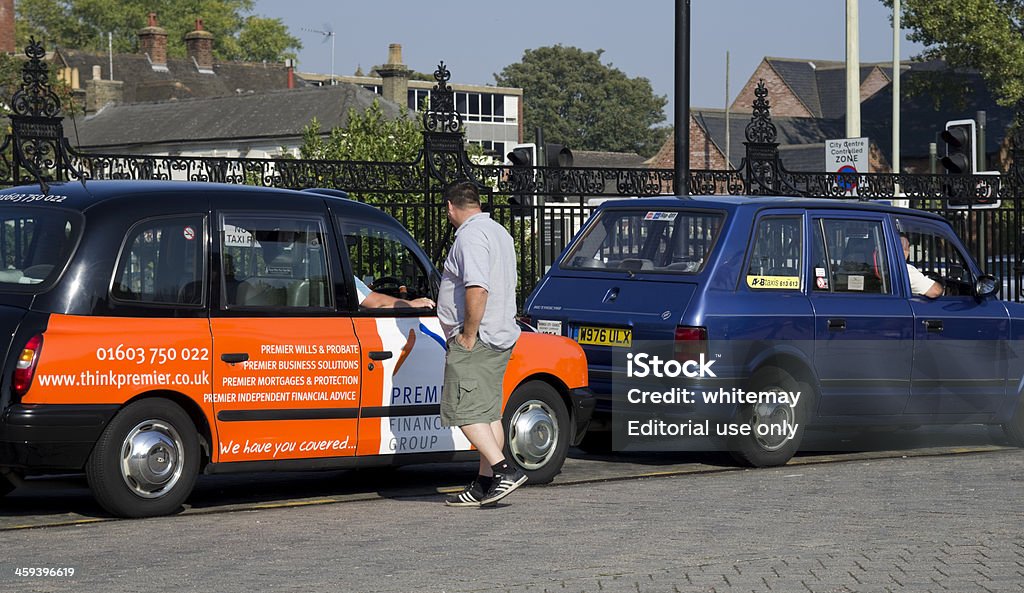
x=463 y=194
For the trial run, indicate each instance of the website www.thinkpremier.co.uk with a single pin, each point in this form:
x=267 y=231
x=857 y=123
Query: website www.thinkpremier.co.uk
x=122 y=380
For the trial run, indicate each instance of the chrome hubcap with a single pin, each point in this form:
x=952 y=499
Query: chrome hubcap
x=151 y=458
x=772 y=423
x=533 y=434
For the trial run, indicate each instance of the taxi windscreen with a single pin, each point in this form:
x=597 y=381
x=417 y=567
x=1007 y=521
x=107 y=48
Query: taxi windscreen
x=667 y=241
x=35 y=245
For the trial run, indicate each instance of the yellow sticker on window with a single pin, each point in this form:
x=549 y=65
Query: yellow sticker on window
x=777 y=282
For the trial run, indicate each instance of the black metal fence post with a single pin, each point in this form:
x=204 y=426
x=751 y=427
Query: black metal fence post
x=761 y=166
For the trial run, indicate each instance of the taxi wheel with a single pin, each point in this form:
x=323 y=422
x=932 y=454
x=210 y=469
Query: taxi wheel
x=1014 y=429
x=146 y=461
x=537 y=431
x=770 y=448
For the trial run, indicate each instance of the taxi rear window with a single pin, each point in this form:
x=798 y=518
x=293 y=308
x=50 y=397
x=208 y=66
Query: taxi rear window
x=648 y=240
x=35 y=245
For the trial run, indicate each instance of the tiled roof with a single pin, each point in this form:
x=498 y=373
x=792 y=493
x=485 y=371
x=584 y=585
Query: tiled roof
x=267 y=115
x=181 y=80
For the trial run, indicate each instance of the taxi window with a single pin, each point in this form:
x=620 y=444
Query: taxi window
x=161 y=262
x=850 y=257
x=649 y=240
x=382 y=262
x=776 y=254
x=933 y=251
x=35 y=245
x=274 y=262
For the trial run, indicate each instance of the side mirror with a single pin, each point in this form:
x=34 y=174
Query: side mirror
x=987 y=285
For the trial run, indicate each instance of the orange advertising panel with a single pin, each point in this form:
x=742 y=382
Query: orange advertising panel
x=285 y=388
x=85 y=360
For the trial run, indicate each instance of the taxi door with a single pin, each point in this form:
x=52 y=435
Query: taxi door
x=404 y=348
x=286 y=366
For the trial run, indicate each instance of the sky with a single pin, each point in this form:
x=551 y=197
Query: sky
x=478 y=39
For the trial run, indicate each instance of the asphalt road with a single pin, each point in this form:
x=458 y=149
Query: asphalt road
x=937 y=519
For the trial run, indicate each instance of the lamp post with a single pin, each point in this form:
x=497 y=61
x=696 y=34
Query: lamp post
x=681 y=174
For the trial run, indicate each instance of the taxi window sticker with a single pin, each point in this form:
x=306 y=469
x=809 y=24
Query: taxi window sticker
x=660 y=215
x=774 y=282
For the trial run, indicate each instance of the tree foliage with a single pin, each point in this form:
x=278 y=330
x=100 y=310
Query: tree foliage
x=982 y=35
x=369 y=136
x=84 y=24
x=585 y=104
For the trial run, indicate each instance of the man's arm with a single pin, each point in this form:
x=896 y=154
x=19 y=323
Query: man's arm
x=476 y=300
x=376 y=300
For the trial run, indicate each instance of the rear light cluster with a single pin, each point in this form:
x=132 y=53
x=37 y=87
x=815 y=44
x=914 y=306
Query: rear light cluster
x=690 y=343
x=25 y=370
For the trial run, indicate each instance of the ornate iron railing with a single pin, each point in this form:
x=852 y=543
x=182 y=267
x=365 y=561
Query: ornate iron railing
x=36 y=150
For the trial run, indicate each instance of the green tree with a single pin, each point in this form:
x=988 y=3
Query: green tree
x=585 y=104
x=369 y=136
x=84 y=24
x=982 y=35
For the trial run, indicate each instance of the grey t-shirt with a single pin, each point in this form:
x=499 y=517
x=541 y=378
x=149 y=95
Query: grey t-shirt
x=483 y=255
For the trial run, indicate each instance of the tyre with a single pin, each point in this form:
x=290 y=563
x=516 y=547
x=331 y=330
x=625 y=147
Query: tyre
x=537 y=431
x=1014 y=429
x=771 y=449
x=146 y=462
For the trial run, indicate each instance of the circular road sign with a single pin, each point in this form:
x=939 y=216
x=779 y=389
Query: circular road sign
x=847 y=178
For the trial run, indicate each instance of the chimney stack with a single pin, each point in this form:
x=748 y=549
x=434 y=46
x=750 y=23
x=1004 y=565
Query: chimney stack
x=395 y=76
x=200 y=48
x=7 y=26
x=153 y=43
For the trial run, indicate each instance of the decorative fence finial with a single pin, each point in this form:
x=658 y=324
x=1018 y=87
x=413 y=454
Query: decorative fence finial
x=441 y=115
x=761 y=129
x=36 y=127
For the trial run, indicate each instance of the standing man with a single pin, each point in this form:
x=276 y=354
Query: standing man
x=476 y=306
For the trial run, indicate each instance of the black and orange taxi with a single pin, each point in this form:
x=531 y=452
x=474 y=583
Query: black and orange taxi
x=159 y=330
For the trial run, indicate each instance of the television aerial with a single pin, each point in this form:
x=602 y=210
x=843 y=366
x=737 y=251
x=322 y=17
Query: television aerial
x=328 y=32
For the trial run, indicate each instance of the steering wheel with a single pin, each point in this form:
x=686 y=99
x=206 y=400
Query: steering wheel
x=388 y=285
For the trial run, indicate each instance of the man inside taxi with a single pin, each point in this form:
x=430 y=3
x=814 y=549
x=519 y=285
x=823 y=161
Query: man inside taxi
x=919 y=283
x=371 y=299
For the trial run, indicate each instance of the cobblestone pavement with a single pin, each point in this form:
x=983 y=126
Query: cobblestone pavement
x=951 y=523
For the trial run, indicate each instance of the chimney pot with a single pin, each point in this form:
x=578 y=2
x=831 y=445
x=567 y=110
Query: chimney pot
x=199 y=44
x=153 y=43
x=395 y=53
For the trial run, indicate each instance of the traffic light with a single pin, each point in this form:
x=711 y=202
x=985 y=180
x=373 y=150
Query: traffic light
x=558 y=157
x=960 y=138
x=522 y=179
x=964 y=188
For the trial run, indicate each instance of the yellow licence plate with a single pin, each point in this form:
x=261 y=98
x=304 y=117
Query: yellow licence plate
x=605 y=336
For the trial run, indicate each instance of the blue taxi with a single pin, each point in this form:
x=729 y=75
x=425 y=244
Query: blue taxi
x=806 y=296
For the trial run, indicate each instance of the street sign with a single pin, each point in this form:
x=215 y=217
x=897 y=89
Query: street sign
x=847 y=156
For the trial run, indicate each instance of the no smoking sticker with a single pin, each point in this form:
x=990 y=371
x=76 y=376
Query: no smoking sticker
x=190 y=233
x=821 y=282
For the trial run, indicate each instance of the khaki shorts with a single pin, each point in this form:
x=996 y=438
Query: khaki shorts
x=472 y=384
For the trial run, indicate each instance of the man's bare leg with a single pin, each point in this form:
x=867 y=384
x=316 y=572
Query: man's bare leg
x=483 y=436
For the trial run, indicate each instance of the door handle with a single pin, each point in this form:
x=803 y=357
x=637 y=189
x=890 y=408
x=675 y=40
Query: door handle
x=234 y=357
x=933 y=326
x=836 y=325
x=381 y=354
